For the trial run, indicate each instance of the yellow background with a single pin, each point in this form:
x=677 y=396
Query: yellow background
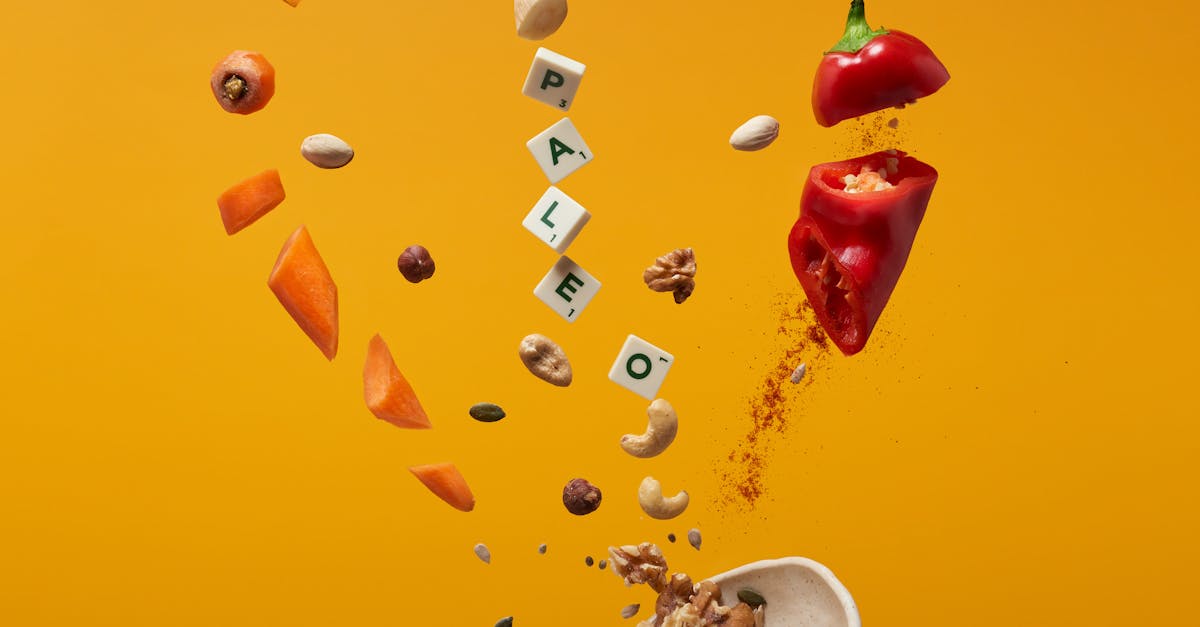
x=1016 y=446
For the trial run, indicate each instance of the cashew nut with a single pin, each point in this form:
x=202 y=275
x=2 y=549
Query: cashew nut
x=650 y=497
x=660 y=431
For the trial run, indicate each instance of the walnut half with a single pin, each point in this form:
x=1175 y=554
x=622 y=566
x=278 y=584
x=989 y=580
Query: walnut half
x=673 y=272
x=643 y=563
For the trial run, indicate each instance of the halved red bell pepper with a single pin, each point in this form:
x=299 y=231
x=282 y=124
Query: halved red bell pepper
x=870 y=70
x=848 y=249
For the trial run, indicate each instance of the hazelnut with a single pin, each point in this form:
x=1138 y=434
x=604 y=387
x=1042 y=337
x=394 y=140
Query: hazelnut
x=581 y=497
x=415 y=263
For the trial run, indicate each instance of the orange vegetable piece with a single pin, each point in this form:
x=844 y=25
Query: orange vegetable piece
x=388 y=394
x=243 y=82
x=250 y=200
x=302 y=284
x=445 y=481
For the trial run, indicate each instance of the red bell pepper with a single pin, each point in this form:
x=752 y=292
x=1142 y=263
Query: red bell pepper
x=848 y=248
x=869 y=70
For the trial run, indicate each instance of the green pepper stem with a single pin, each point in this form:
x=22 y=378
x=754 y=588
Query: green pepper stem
x=858 y=32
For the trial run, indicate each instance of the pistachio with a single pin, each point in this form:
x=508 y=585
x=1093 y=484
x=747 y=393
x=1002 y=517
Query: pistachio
x=486 y=412
x=326 y=151
x=750 y=597
x=538 y=19
x=757 y=133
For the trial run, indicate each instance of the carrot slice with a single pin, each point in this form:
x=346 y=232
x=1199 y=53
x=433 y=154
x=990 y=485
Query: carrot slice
x=243 y=82
x=249 y=200
x=303 y=286
x=447 y=483
x=388 y=394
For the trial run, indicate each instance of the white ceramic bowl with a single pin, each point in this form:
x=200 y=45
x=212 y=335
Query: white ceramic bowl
x=799 y=593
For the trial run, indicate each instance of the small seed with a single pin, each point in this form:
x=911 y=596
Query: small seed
x=750 y=597
x=415 y=263
x=542 y=549
x=799 y=373
x=235 y=86
x=326 y=151
x=486 y=412
x=545 y=360
x=589 y=561
x=757 y=133
x=671 y=538
x=631 y=610
x=694 y=538
x=482 y=552
x=603 y=564
x=894 y=123
x=504 y=622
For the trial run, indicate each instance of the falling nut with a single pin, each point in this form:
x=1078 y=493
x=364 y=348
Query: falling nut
x=581 y=497
x=673 y=272
x=757 y=133
x=538 y=19
x=631 y=610
x=326 y=151
x=694 y=538
x=650 y=497
x=660 y=431
x=415 y=263
x=546 y=360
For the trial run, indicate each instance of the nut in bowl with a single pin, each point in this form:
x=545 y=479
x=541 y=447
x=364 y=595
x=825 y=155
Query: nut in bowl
x=799 y=592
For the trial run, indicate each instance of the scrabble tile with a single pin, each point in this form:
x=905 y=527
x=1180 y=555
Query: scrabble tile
x=560 y=150
x=567 y=289
x=641 y=367
x=556 y=219
x=553 y=79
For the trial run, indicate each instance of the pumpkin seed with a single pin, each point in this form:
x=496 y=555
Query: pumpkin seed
x=631 y=610
x=750 y=597
x=486 y=412
x=694 y=538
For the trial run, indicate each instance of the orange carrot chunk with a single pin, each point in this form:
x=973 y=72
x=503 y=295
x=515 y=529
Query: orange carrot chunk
x=250 y=200
x=447 y=483
x=388 y=394
x=243 y=82
x=302 y=284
